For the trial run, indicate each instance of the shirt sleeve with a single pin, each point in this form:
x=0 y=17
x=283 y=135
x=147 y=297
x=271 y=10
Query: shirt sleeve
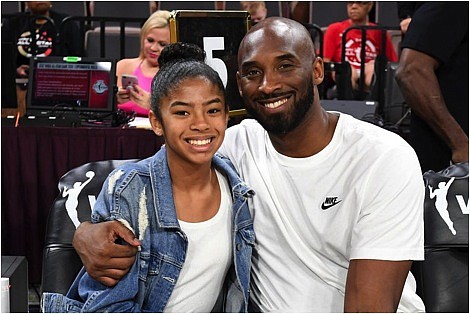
x=330 y=42
x=125 y=295
x=434 y=22
x=390 y=225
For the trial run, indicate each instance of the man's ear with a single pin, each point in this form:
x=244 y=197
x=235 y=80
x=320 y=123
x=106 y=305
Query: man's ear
x=239 y=84
x=156 y=124
x=318 y=71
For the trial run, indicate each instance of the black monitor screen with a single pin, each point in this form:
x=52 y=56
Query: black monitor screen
x=83 y=84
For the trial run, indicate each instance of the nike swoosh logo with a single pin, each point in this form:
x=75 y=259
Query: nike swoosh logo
x=326 y=206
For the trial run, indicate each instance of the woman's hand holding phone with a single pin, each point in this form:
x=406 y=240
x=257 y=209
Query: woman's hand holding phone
x=131 y=91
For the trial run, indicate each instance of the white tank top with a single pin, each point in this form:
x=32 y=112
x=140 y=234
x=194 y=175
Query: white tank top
x=208 y=259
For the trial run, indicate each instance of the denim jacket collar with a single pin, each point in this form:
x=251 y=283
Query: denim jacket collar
x=161 y=181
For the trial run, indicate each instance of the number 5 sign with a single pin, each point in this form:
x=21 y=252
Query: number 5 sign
x=219 y=33
x=215 y=43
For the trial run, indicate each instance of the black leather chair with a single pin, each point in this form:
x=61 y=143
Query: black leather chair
x=443 y=276
x=78 y=190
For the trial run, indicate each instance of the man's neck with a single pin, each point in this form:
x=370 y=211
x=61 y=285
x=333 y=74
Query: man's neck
x=309 y=138
x=359 y=22
x=41 y=21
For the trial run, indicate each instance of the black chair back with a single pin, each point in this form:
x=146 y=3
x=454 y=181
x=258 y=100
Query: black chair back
x=443 y=276
x=78 y=190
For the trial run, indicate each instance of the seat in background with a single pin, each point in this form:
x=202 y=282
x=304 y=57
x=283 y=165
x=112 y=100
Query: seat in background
x=10 y=7
x=186 y=5
x=78 y=189
x=442 y=278
x=70 y=8
x=120 y=9
x=112 y=43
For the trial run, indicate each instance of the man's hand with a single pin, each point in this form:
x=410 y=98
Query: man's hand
x=104 y=260
x=461 y=153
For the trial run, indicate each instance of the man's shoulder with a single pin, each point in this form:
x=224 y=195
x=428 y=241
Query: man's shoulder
x=241 y=137
x=245 y=126
x=371 y=133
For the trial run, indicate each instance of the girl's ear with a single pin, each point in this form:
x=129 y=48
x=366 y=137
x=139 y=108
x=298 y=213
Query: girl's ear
x=156 y=124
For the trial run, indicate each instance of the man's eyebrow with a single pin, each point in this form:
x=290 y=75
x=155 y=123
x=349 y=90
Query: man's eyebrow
x=287 y=55
x=284 y=56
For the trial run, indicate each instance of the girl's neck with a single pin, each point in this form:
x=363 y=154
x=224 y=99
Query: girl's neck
x=189 y=176
x=196 y=192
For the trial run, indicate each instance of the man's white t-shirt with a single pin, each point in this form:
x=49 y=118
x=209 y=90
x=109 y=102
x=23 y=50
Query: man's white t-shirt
x=361 y=197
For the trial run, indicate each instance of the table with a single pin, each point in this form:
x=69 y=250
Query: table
x=33 y=160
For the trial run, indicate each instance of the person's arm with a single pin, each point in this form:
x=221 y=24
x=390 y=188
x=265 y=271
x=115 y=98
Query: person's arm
x=375 y=286
x=137 y=95
x=103 y=259
x=388 y=233
x=405 y=12
x=418 y=82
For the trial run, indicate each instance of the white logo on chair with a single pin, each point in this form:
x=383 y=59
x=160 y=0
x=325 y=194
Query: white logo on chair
x=72 y=194
x=441 y=204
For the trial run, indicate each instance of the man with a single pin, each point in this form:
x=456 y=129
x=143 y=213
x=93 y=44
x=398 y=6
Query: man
x=338 y=205
x=433 y=77
x=358 y=15
x=18 y=31
x=257 y=10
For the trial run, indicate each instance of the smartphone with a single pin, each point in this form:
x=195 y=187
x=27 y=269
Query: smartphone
x=128 y=81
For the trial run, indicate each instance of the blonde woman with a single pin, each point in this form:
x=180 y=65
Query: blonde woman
x=154 y=36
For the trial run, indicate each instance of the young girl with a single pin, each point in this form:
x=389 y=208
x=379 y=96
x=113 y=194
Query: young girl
x=185 y=204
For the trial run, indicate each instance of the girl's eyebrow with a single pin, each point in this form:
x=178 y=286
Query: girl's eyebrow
x=209 y=102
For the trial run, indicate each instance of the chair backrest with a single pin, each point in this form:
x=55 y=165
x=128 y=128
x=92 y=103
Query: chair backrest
x=393 y=107
x=10 y=7
x=78 y=190
x=442 y=277
x=120 y=9
x=186 y=5
x=70 y=8
x=112 y=40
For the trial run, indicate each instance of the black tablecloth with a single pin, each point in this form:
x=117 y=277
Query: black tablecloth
x=34 y=159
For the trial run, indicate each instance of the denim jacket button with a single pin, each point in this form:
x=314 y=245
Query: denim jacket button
x=239 y=246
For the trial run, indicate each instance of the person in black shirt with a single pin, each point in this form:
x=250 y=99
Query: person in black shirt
x=18 y=31
x=433 y=77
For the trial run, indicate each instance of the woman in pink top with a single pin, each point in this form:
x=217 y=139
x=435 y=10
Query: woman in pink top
x=155 y=35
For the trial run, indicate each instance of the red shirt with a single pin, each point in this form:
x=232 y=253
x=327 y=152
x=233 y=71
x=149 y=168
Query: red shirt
x=332 y=44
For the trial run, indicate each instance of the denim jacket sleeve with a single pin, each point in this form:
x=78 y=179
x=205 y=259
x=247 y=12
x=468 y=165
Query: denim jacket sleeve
x=87 y=294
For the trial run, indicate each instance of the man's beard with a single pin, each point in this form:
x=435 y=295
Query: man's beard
x=284 y=122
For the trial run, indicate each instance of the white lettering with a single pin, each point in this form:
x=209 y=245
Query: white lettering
x=463 y=206
x=92 y=201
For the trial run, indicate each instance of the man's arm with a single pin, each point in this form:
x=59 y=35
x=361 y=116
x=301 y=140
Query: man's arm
x=375 y=286
x=420 y=87
x=105 y=260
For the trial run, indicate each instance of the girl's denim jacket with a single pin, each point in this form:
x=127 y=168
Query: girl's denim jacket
x=141 y=194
